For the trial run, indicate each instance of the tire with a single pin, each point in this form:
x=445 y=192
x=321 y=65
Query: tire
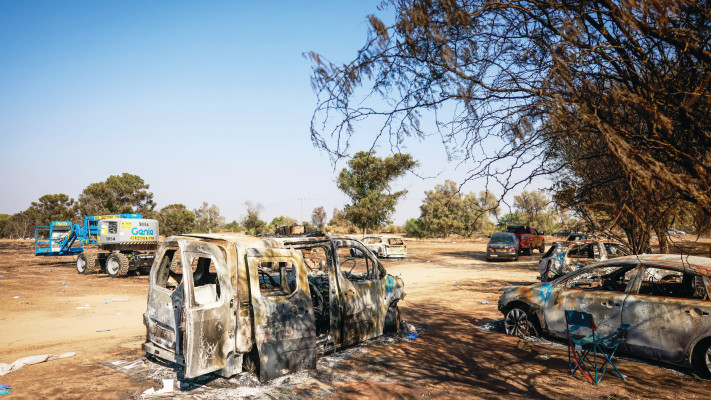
x=527 y=251
x=542 y=249
x=86 y=263
x=702 y=358
x=250 y=362
x=116 y=265
x=518 y=322
x=392 y=320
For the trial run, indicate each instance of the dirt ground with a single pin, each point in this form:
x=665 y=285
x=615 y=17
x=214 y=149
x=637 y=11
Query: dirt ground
x=46 y=308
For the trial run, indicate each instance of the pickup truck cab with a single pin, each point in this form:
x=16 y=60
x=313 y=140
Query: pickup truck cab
x=227 y=303
x=529 y=238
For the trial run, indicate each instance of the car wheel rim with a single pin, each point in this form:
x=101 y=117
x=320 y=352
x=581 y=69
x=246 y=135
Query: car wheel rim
x=81 y=264
x=112 y=266
x=516 y=322
x=708 y=359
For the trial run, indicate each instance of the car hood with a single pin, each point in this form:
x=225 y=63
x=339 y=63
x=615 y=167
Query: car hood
x=535 y=294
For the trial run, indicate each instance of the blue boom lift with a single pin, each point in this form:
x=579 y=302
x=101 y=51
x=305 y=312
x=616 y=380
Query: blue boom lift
x=60 y=237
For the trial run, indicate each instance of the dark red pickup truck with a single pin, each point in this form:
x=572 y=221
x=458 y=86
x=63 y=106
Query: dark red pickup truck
x=528 y=238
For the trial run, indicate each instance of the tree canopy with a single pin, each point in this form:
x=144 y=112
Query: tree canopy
x=524 y=88
x=445 y=211
x=119 y=194
x=318 y=217
x=208 y=218
x=175 y=219
x=367 y=182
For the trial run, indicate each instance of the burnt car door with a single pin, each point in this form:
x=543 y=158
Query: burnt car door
x=361 y=292
x=285 y=330
x=598 y=290
x=164 y=311
x=209 y=336
x=667 y=311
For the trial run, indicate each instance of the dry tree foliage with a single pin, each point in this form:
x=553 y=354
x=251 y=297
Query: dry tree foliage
x=561 y=86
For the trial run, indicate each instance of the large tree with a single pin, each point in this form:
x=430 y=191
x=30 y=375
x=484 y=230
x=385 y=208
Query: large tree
x=252 y=222
x=367 y=182
x=445 y=211
x=318 y=217
x=53 y=207
x=208 y=218
x=506 y=81
x=176 y=219
x=119 y=194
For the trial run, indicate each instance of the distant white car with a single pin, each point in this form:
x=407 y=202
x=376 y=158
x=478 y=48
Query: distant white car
x=386 y=246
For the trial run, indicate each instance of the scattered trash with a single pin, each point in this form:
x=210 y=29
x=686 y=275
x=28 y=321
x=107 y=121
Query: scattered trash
x=524 y=345
x=544 y=356
x=7 y=368
x=119 y=299
x=165 y=391
x=493 y=285
x=414 y=283
x=412 y=336
x=4 y=386
x=16 y=297
x=51 y=270
x=64 y=283
x=454 y=242
x=84 y=307
x=104 y=302
x=456 y=285
x=534 y=276
x=428 y=260
x=513 y=276
x=2 y=276
x=5 y=391
x=484 y=302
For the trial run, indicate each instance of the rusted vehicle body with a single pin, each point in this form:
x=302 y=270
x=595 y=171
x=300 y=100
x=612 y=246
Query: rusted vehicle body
x=664 y=298
x=564 y=257
x=223 y=303
x=528 y=238
x=386 y=246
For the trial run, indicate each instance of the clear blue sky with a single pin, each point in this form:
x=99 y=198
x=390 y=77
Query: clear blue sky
x=206 y=101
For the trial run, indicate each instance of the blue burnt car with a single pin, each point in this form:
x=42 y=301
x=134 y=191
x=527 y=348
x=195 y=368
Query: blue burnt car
x=664 y=299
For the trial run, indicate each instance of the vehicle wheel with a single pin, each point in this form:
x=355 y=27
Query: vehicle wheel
x=702 y=358
x=116 y=265
x=84 y=260
x=542 y=249
x=250 y=362
x=392 y=320
x=516 y=259
x=86 y=263
x=527 y=251
x=517 y=323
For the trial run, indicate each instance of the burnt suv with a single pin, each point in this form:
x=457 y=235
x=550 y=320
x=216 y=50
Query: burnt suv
x=227 y=303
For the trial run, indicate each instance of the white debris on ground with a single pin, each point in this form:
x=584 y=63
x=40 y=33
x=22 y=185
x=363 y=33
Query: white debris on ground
x=332 y=368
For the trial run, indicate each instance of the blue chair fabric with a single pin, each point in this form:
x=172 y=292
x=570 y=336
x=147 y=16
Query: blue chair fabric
x=586 y=347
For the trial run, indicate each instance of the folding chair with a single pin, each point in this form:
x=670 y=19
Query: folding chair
x=584 y=343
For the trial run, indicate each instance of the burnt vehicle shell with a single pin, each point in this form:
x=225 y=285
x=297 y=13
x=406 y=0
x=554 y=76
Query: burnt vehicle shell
x=385 y=246
x=564 y=257
x=221 y=303
x=664 y=298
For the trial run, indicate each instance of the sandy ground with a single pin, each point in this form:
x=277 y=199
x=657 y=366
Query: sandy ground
x=447 y=282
